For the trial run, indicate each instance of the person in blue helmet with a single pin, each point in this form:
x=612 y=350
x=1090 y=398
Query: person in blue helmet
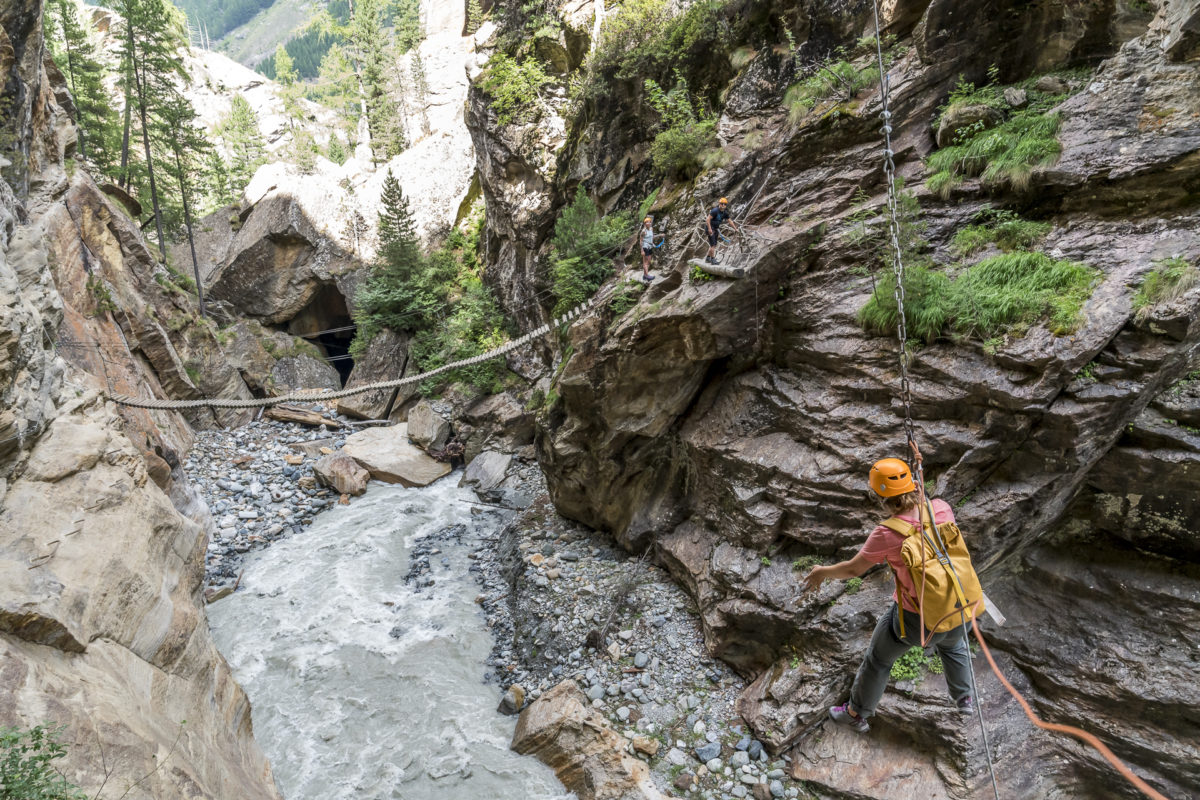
x=716 y=217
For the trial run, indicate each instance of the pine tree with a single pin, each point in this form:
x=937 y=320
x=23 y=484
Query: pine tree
x=153 y=32
x=243 y=142
x=79 y=58
x=474 y=16
x=290 y=88
x=406 y=18
x=179 y=130
x=397 y=232
x=372 y=56
x=420 y=85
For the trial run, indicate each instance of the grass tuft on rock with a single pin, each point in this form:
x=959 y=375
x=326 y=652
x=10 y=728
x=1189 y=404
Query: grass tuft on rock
x=1168 y=281
x=1000 y=294
x=1006 y=230
x=1002 y=157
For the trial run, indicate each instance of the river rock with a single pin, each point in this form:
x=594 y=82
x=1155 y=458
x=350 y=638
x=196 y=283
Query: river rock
x=512 y=701
x=487 y=471
x=388 y=455
x=342 y=473
x=427 y=428
x=564 y=732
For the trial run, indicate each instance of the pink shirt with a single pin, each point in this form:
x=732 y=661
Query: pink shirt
x=883 y=545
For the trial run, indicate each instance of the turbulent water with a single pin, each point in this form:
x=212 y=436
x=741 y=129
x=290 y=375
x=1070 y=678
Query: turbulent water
x=363 y=687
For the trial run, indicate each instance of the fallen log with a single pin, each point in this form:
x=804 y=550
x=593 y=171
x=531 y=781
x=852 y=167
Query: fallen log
x=718 y=270
x=286 y=413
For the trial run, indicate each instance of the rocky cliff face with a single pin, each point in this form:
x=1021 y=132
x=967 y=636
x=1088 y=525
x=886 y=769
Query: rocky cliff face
x=729 y=424
x=102 y=627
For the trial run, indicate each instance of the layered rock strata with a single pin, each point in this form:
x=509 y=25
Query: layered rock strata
x=728 y=425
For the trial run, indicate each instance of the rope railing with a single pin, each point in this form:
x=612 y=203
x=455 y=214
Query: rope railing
x=318 y=395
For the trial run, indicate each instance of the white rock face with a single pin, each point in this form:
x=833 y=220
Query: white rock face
x=216 y=79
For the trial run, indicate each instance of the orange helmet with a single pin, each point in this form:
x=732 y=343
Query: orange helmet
x=724 y=201
x=891 y=477
x=647 y=219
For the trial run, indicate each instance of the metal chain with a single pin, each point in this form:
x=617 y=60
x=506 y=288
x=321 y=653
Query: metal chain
x=893 y=204
x=889 y=169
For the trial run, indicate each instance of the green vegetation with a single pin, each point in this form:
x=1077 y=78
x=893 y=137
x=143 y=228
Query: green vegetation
x=103 y=297
x=806 y=562
x=685 y=133
x=439 y=298
x=853 y=585
x=513 y=87
x=913 y=665
x=243 y=144
x=643 y=39
x=1004 y=293
x=841 y=80
x=625 y=298
x=77 y=53
x=27 y=768
x=766 y=561
x=585 y=246
x=1003 y=156
x=698 y=275
x=1169 y=279
x=1005 y=229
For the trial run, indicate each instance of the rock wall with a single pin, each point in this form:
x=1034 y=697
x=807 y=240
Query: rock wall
x=729 y=425
x=102 y=627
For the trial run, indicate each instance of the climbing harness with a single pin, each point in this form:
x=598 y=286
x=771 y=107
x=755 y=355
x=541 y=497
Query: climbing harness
x=935 y=541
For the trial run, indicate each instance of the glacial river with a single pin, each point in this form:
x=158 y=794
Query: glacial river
x=361 y=686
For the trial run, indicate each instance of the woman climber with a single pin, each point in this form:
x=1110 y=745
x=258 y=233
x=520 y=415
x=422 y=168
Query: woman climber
x=648 y=247
x=892 y=483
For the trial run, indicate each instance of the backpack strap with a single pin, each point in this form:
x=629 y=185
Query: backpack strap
x=905 y=529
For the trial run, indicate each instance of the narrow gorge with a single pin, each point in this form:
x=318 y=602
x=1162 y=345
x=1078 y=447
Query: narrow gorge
x=561 y=553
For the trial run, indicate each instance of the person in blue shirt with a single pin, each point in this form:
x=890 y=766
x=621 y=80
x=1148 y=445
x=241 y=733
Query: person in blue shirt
x=717 y=216
x=647 y=234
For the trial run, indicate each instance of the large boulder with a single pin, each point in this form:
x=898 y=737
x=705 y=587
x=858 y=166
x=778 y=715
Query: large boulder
x=386 y=358
x=388 y=455
x=427 y=427
x=342 y=473
x=486 y=471
x=101 y=626
x=966 y=120
x=588 y=756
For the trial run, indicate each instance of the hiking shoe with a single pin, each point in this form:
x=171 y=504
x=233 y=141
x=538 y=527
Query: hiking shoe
x=647 y=278
x=841 y=715
x=966 y=705
x=710 y=260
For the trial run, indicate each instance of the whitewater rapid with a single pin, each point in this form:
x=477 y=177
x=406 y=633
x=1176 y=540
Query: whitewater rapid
x=362 y=686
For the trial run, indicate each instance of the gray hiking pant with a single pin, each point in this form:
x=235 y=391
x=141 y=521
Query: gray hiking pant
x=887 y=646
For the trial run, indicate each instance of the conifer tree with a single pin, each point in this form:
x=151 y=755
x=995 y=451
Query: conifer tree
x=179 y=130
x=397 y=232
x=153 y=32
x=420 y=85
x=78 y=56
x=372 y=56
x=243 y=141
x=474 y=16
x=290 y=87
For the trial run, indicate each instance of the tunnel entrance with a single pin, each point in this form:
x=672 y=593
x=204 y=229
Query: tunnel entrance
x=326 y=323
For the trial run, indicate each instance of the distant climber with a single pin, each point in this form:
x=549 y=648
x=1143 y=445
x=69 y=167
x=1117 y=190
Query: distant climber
x=648 y=247
x=716 y=217
x=892 y=482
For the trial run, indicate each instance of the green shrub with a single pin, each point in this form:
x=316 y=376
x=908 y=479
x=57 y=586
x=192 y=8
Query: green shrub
x=1169 y=279
x=27 y=769
x=626 y=298
x=913 y=665
x=853 y=585
x=1004 y=228
x=101 y=294
x=1004 y=156
x=1002 y=293
x=683 y=147
x=513 y=87
x=585 y=247
x=474 y=326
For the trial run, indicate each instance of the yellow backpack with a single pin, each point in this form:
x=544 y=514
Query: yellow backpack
x=928 y=553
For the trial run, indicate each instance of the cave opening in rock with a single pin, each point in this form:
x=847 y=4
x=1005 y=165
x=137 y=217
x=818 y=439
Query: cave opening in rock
x=326 y=323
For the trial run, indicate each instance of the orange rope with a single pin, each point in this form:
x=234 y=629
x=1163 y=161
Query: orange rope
x=1082 y=735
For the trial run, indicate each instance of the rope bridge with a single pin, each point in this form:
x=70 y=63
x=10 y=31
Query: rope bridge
x=311 y=395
